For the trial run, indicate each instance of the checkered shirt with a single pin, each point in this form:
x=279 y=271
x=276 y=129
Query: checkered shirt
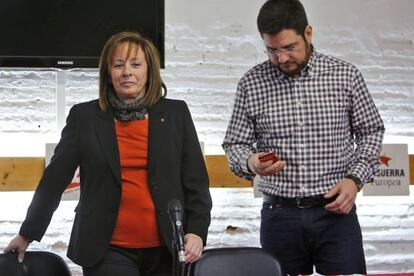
x=324 y=125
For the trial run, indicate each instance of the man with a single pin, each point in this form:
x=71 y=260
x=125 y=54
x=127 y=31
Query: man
x=314 y=112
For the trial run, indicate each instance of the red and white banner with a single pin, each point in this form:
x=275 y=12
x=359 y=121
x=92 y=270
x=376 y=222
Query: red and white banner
x=393 y=177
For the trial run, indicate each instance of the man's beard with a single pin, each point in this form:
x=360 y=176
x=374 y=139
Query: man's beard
x=299 y=65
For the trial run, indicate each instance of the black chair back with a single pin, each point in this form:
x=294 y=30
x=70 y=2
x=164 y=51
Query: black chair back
x=240 y=261
x=35 y=263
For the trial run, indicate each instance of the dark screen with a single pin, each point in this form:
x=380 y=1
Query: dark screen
x=71 y=33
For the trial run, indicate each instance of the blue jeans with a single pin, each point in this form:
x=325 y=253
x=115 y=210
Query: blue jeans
x=303 y=238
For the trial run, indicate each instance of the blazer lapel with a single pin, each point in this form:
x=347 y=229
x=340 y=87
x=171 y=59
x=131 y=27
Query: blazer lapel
x=158 y=119
x=105 y=131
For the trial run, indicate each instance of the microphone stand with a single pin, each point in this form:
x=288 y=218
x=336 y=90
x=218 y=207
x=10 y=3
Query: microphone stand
x=177 y=266
x=174 y=259
x=176 y=215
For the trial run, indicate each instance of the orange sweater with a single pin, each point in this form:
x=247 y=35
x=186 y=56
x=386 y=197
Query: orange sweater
x=136 y=225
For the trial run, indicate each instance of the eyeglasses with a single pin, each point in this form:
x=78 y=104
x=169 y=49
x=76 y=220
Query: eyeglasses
x=276 y=52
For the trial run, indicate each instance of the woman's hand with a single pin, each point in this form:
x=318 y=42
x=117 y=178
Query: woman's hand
x=19 y=244
x=193 y=247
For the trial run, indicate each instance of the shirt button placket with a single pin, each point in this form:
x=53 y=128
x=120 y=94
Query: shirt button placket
x=299 y=143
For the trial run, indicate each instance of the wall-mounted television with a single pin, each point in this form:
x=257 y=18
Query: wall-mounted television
x=71 y=33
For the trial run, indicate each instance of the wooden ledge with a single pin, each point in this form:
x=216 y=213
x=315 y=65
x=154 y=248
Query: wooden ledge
x=23 y=173
x=20 y=173
x=220 y=174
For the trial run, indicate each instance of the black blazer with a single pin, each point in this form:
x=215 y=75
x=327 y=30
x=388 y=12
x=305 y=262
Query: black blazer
x=176 y=169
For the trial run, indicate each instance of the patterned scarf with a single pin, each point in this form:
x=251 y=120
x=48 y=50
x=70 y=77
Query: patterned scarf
x=127 y=112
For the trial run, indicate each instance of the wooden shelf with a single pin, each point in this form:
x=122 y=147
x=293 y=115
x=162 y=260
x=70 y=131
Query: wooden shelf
x=24 y=173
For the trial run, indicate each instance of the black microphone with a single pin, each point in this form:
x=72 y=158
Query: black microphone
x=176 y=214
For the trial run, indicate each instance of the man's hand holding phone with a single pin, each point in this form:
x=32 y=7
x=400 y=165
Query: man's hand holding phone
x=268 y=156
x=265 y=163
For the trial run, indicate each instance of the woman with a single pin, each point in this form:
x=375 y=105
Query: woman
x=136 y=151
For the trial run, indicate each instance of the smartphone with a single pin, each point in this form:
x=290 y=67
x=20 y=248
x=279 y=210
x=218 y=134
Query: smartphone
x=269 y=156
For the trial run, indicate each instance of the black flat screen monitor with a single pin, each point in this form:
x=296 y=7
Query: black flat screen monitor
x=72 y=33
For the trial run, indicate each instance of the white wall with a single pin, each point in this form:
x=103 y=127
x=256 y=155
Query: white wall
x=387 y=226
x=209 y=45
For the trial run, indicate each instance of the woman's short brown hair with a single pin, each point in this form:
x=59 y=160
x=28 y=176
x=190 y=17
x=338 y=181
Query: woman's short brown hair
x=154 y=86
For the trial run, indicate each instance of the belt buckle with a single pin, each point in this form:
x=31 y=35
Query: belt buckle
x=301 y=203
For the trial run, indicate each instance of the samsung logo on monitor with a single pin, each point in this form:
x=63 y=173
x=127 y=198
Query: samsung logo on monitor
x=65 y=62
x=30 y=44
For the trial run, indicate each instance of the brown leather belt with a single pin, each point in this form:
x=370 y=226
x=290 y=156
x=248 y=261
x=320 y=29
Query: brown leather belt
x=298 y=202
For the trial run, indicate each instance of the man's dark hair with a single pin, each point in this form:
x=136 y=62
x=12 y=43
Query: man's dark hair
x=278 y=15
